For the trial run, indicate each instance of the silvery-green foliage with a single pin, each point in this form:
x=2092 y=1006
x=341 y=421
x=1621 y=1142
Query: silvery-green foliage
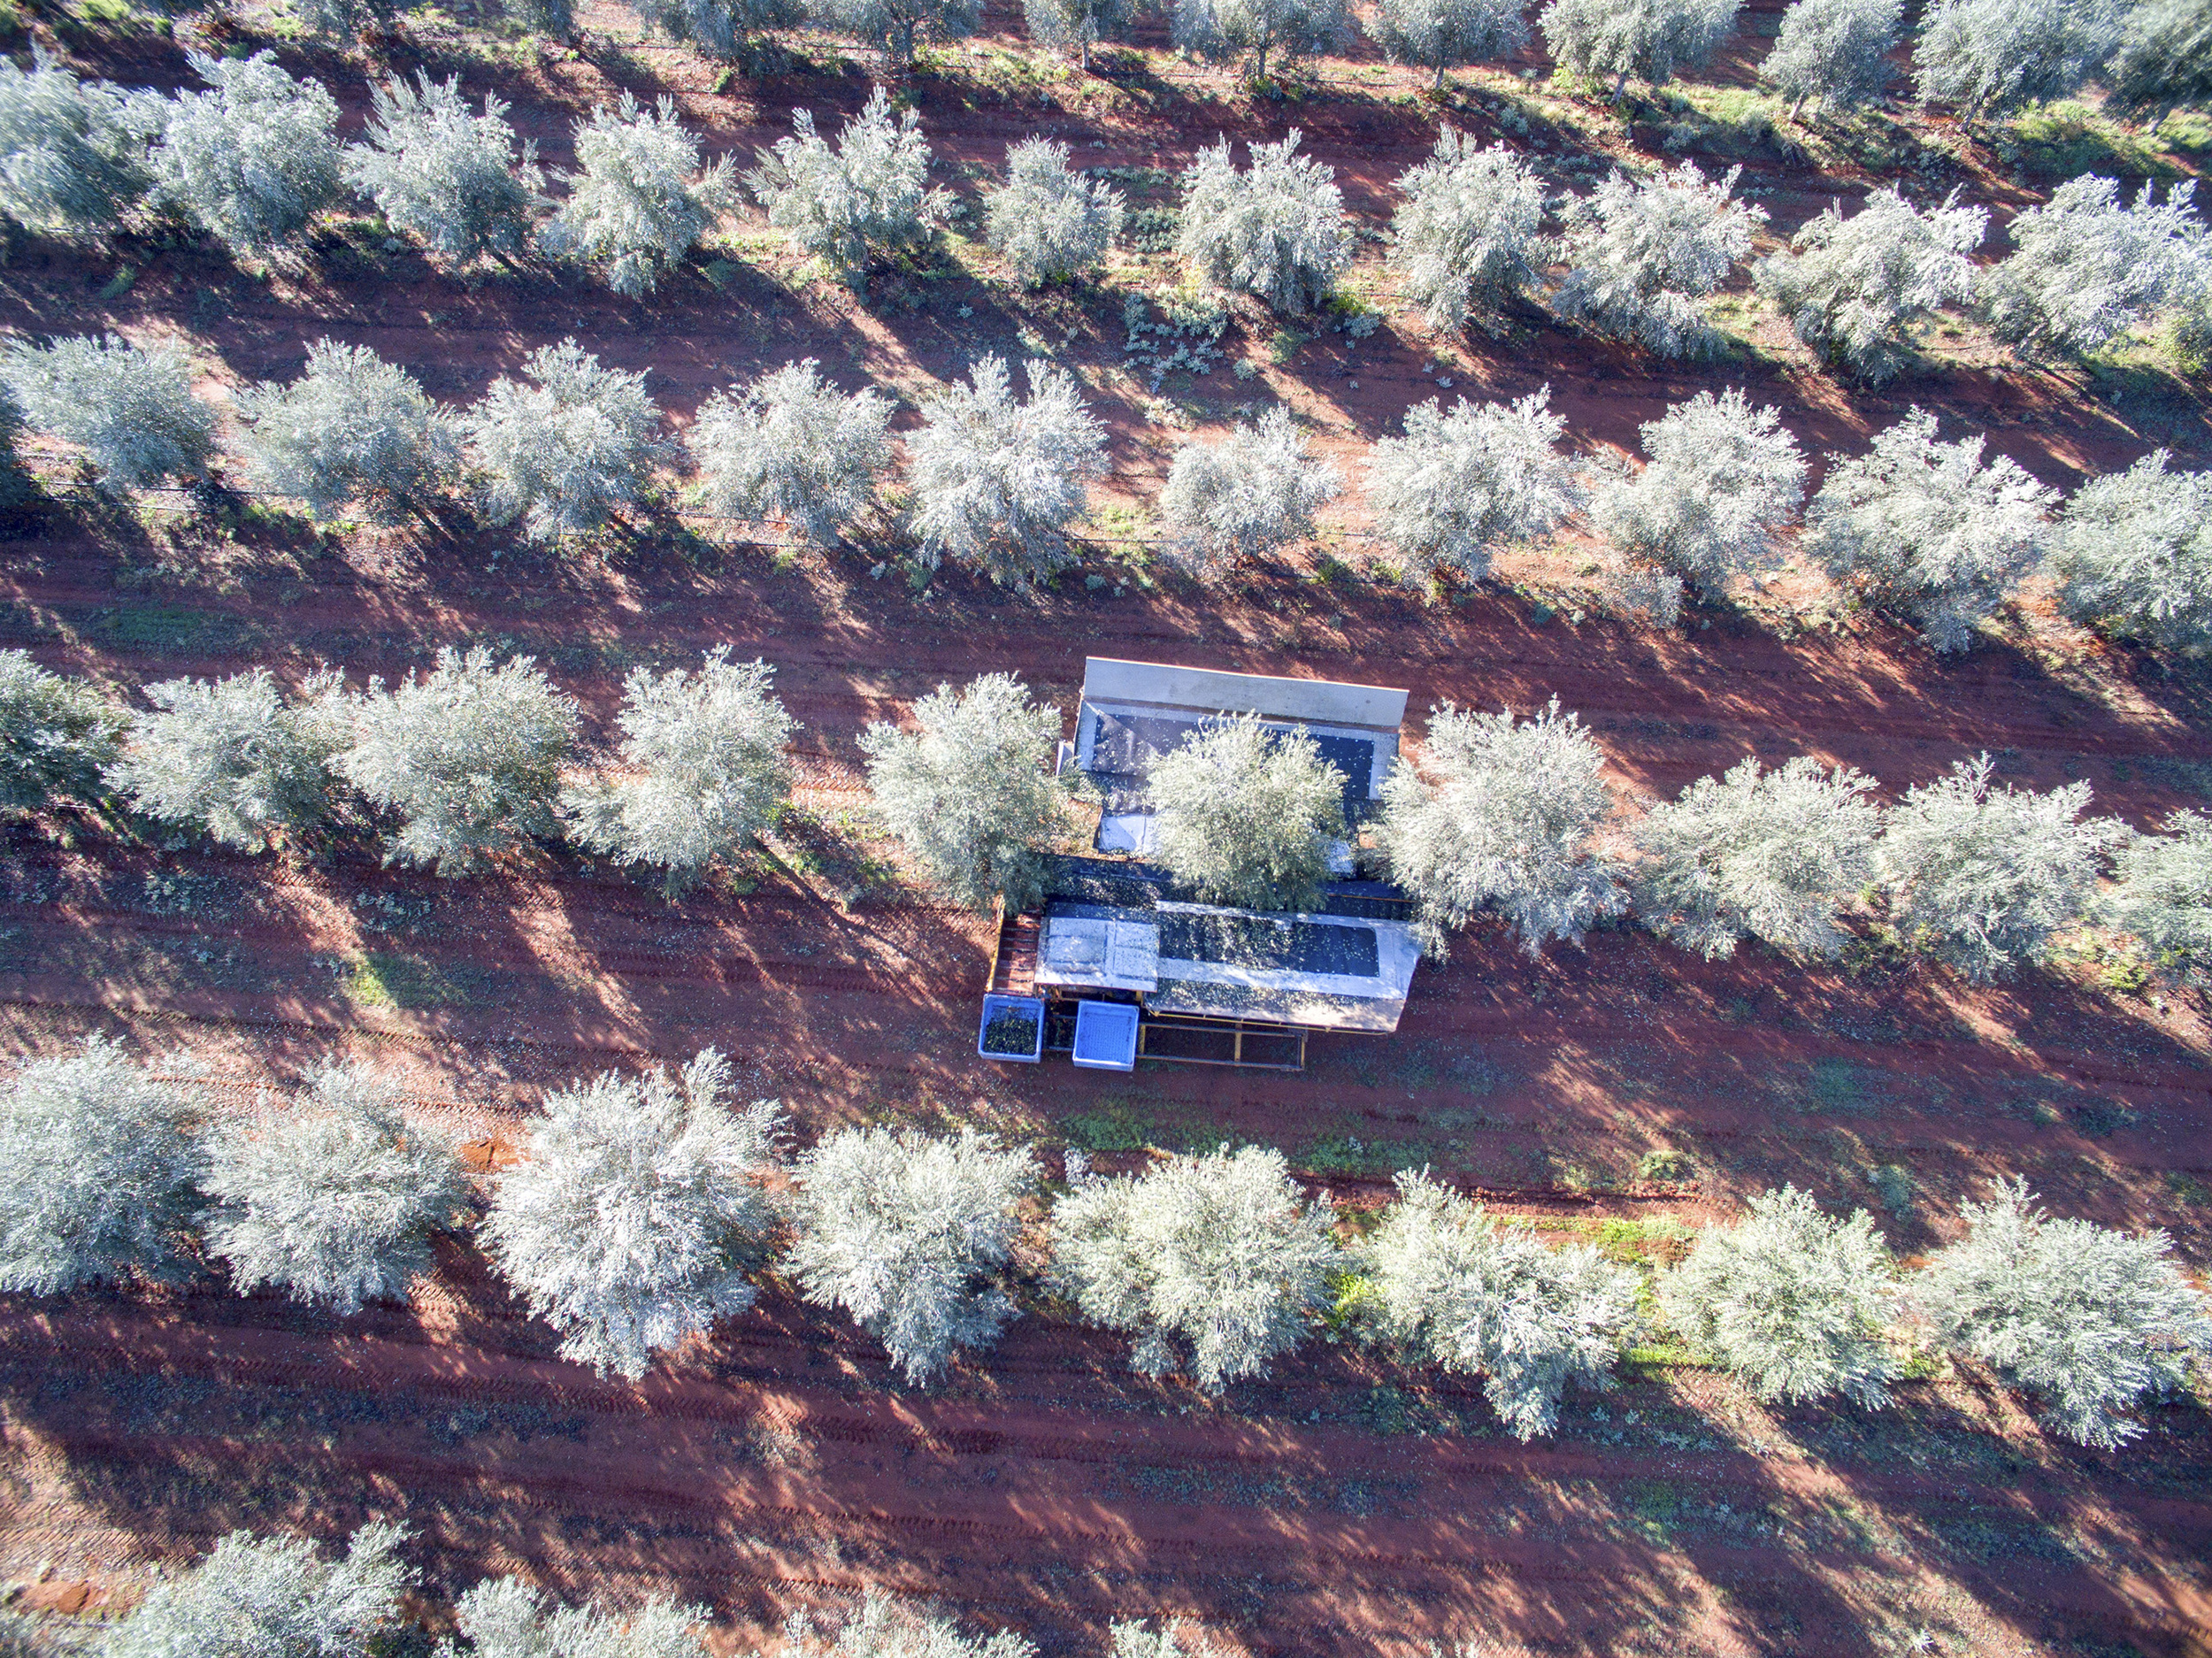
x=908 y=1233
x=893 y=26
x=1652 y=39
x=995 y=482
x=717 y=27
x=1927 y=530
x=332 y=1197
x=1989 y=56
x=1758 y=853
x=1643 y=257
x=882 y=1626
x=344 y=20
x=2092 y=1320
x=967 y=792
x=1459 y=486
x=705 y=768
x=271 y=1596
x=97 y=1173
x=16 y=485
x=1275 y=230
x=2133 y=554
x=1720 y=479
x=1247 y=814
x=1049 y=224
x=639 y=201
x=1058 y=25
x=565 y=451
x=1508 y=826
x=1460 y=1291
x=2165 y=60
x=1834 y=52
x=70 y=161
x=1791 y=1300
x=2086 y=266
x=1853 y=288
x=449 y=178
x=56 y=734
x=555 y=18
x=235 y=758
x=505 y=1617
x=631 y=1222
x=1443 y=35
x=1249 y=31
x=468 y=755
x=1221 y=1256
x=252 y=160
x=794 y=447
x=1642 y=592
x=1251 y=494
x=863 y=198
x=1466 y=238
x=2163 y=894
x=1133 y=1638
x=1981 y=877
x=130 y=408
x=352 y=432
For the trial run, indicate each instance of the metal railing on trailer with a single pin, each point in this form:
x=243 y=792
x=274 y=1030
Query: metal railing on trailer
x=1253 y=1045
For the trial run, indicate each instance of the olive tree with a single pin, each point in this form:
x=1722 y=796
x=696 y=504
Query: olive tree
x=721 y=28
x=2092 y=1320
x=1834 y=53
x=1443 y=35
x=2165 y=60
x=235 y=758
x=967 y=792
x=450 y=179
x=468 y=755
x=56 y=735
x=70 y=161
x=252 y=160
x=1643 y=257
x=2133 y=554
x=632 y=1220
x=345 y=20
x=1457 y=487
x=333 y=1198
x=1981 y=877
x=271 y=1596
x=98 y=1172
x=995 y=481
x=910 y=1233
x=1058 y=25
x=791 y=446
x=1508 y=826
x=1247 y=814
x=353 y=431
x=1992 y=57
x=1457 y=1290
x=705 y=772
x=505 y=1617
x=1049 y=224
x=2086 y=266
x=1466 y=240
x=1855 y=289
x=1721 y=480
x=1251 y=494
x=1928 y=529
x=1652 y=40
x=863 y=198
x=639 y=200
x=881 y=1624
x=553 y=17
x=2162 y=892
x=129 y=408
x=1222 y=1257
x=1249 y=31
x=1757 y=853
x=895 y=27
x=565 y=449
x=1275 y=230
x=1792 y=1300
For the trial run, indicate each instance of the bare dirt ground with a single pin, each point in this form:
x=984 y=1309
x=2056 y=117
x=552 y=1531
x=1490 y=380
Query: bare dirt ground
x=1342 y=1506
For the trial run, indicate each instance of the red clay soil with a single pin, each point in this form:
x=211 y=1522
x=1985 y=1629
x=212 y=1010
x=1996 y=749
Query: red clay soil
x=1340 y=1506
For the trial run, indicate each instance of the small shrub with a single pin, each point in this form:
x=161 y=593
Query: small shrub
x=864 y=199
x=69 y=161
x=1247 y=814
x=56 y=735
x=792 y=447
x=565 y=451
x=352 y=432
x=449 y=179
x=1834 y=53
x=130 y=408
x=234 y=758
x=1048 y=224
x=1277 y=230
x=639 y=201
x=1465 y=239
x=1251 y=494
x=251 y=161
x=1643 y=258
x=1456 y=487
x=2133 y=554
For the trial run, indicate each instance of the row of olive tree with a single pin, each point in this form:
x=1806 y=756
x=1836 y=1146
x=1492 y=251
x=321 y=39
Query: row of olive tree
x=645 y=1207
x=467 y=759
